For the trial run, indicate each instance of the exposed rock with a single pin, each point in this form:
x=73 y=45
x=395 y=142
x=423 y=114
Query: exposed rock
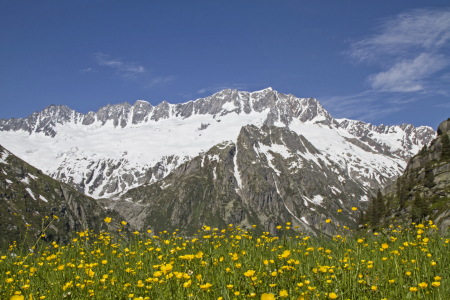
x=36 y=198
x=444 y=127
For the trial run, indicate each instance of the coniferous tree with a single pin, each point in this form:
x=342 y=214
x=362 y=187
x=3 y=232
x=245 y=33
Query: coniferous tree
x=429 y=177
x=425 y=207
x=371 y=213
x=420 y=208
x=416 y=213
x=376 y=210
x=381 y=208
x=445 y=147
x=381 y=203
x=361 y=218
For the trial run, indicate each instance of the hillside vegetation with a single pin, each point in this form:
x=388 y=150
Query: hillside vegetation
x=421 y=193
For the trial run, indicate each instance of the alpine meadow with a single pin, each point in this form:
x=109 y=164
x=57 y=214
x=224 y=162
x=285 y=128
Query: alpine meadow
x=224 y=150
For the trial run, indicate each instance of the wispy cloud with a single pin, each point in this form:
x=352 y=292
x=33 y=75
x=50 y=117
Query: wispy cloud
x=421 y=30
x=367 y=106
x=87 y=70
x=124 y=69
x=443 y=105
x=160 y=80
x=411 y=47
x=409 y=75
x=411 y=50
x=131 y=70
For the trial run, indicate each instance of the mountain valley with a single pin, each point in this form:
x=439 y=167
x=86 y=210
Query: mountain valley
x=233 y=157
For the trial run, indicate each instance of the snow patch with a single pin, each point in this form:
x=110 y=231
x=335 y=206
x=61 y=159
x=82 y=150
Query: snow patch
x=3 y=157
x=308 y=156
x=31 y=193
x=335 y=190
x=276 y=148
x=164 y=186
x=32 y=176
x=43 y=198
x=364 y=198
x=318 y=199
x=236 y=170
x=8 y=181
x=229 y=106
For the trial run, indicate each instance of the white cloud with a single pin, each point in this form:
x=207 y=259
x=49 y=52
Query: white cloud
x=443 y=105
x=411 y=48
x=417 y=30
x=87 y=70
x=368 y=105
x=131 y=70
x=124 y=69
x=408 y=75
x=160 y=80
x=413 y=54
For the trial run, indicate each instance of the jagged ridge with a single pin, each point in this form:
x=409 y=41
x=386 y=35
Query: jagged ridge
x=122 y=146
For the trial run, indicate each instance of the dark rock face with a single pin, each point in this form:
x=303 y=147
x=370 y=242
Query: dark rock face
x=248 y=183
x=444 y=127
x=427 y=173
x=26 y=192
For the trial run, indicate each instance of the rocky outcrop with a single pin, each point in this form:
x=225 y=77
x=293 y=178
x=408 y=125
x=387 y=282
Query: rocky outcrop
x=268 y=177
x=444 y=127
x=27 y=196
x=427 y=175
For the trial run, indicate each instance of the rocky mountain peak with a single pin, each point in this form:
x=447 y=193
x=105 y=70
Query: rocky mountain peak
x=444 y=127
x=122 y=146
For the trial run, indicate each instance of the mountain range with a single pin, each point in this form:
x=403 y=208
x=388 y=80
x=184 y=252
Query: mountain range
x=233 y=157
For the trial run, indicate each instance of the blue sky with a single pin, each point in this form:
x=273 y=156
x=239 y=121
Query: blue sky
x=377 y=61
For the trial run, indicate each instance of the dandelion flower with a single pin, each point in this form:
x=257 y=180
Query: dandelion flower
x=436 y=284
x=267 y=296
x=284 y=293
x=423 y=285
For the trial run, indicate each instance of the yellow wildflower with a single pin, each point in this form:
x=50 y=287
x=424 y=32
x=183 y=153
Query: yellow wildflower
x=267 y=296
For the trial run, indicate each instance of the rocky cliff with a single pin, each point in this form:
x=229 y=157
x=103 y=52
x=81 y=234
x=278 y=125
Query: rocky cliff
x=29 y=197
x=269 y=176
x=423 y=191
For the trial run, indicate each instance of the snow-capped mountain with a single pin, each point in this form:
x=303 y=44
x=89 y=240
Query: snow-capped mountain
x=123 y=146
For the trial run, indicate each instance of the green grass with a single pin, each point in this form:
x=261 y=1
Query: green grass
x=231 y=263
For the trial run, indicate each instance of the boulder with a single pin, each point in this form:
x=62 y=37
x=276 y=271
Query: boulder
x=444 y=127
